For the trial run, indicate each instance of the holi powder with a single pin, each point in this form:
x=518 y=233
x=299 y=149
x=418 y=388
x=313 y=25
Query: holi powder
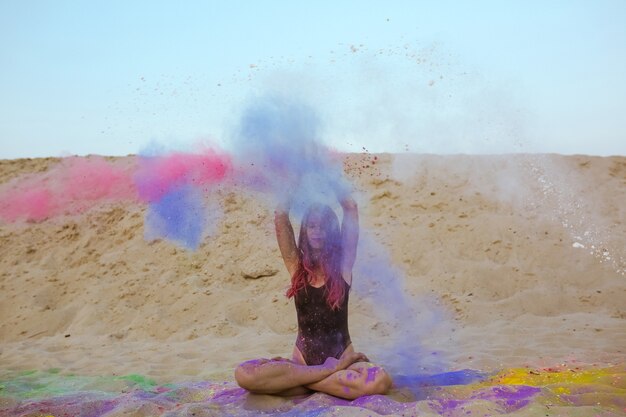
x=174 y=186
x=449 y=394
x=157 y=175
x=583 y=221
x=408 y=320
x=31 y=201
x=179 y=216
x=71 y=187
x=278 y=150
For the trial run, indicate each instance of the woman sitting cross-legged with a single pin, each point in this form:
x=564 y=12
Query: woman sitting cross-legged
x=320 y=266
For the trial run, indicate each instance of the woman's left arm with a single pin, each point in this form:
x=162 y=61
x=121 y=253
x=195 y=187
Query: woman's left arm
x=349 y=236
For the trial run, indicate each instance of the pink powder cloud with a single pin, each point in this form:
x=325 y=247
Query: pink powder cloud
x=72 y=186
x=156 y=176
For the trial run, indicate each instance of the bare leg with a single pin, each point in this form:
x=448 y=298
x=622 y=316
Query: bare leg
x=296 y=391
x=359 y=379
x=280 y=376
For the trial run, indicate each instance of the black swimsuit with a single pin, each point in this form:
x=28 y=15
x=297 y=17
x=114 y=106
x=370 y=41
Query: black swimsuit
x=322 y=332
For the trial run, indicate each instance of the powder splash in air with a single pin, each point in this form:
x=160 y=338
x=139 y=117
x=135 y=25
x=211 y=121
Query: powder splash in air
x=179 y=216
x=157 y=175
x=407 y=320
x=71 y=187
x=278 y=150
x=174 y=186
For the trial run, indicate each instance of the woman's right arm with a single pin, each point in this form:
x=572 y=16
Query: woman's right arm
x=286 y=238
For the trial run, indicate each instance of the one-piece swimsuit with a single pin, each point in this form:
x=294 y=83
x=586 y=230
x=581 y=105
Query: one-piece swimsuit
x=322 y=331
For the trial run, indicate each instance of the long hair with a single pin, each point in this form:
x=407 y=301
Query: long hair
x=329 y=259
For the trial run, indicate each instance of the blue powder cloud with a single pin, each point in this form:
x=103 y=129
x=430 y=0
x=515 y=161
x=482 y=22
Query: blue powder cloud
x=278 y=149
x=179 y=215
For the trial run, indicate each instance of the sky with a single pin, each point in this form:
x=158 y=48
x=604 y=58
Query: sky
x=474 y=77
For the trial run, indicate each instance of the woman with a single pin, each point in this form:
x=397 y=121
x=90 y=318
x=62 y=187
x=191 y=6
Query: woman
x=320 y=266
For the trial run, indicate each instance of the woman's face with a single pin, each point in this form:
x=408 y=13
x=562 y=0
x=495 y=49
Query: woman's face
x=315 y=232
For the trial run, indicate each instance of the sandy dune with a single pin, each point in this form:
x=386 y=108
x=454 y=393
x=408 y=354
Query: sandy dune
x=521 y=256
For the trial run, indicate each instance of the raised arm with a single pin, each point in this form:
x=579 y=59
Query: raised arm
x=286 y=239
x=349 y=236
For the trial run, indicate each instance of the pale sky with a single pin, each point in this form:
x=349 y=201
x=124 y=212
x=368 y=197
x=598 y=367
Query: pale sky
x=111 y=77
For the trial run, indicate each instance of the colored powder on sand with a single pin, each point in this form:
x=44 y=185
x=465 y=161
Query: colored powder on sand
x=569 y=386
x=462 y=377
x=503 y=399
x=70 y=187
x=140 y=381
x=520 y=376
x=52 y=393
x=510 y=398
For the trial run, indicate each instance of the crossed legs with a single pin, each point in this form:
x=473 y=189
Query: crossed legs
x=349 y=377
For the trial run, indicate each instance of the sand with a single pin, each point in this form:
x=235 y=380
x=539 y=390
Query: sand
x=522 y=256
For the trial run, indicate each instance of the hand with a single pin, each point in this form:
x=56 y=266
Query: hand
x=342 y=189
x=346 y=360
x=284 y=205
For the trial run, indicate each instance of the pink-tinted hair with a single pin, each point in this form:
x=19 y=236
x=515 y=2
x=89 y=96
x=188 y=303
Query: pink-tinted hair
x=330 y=258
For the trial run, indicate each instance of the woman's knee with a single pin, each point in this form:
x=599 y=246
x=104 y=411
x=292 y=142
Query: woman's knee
x=245 y=375
x=242 y=376
x=376 y=381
